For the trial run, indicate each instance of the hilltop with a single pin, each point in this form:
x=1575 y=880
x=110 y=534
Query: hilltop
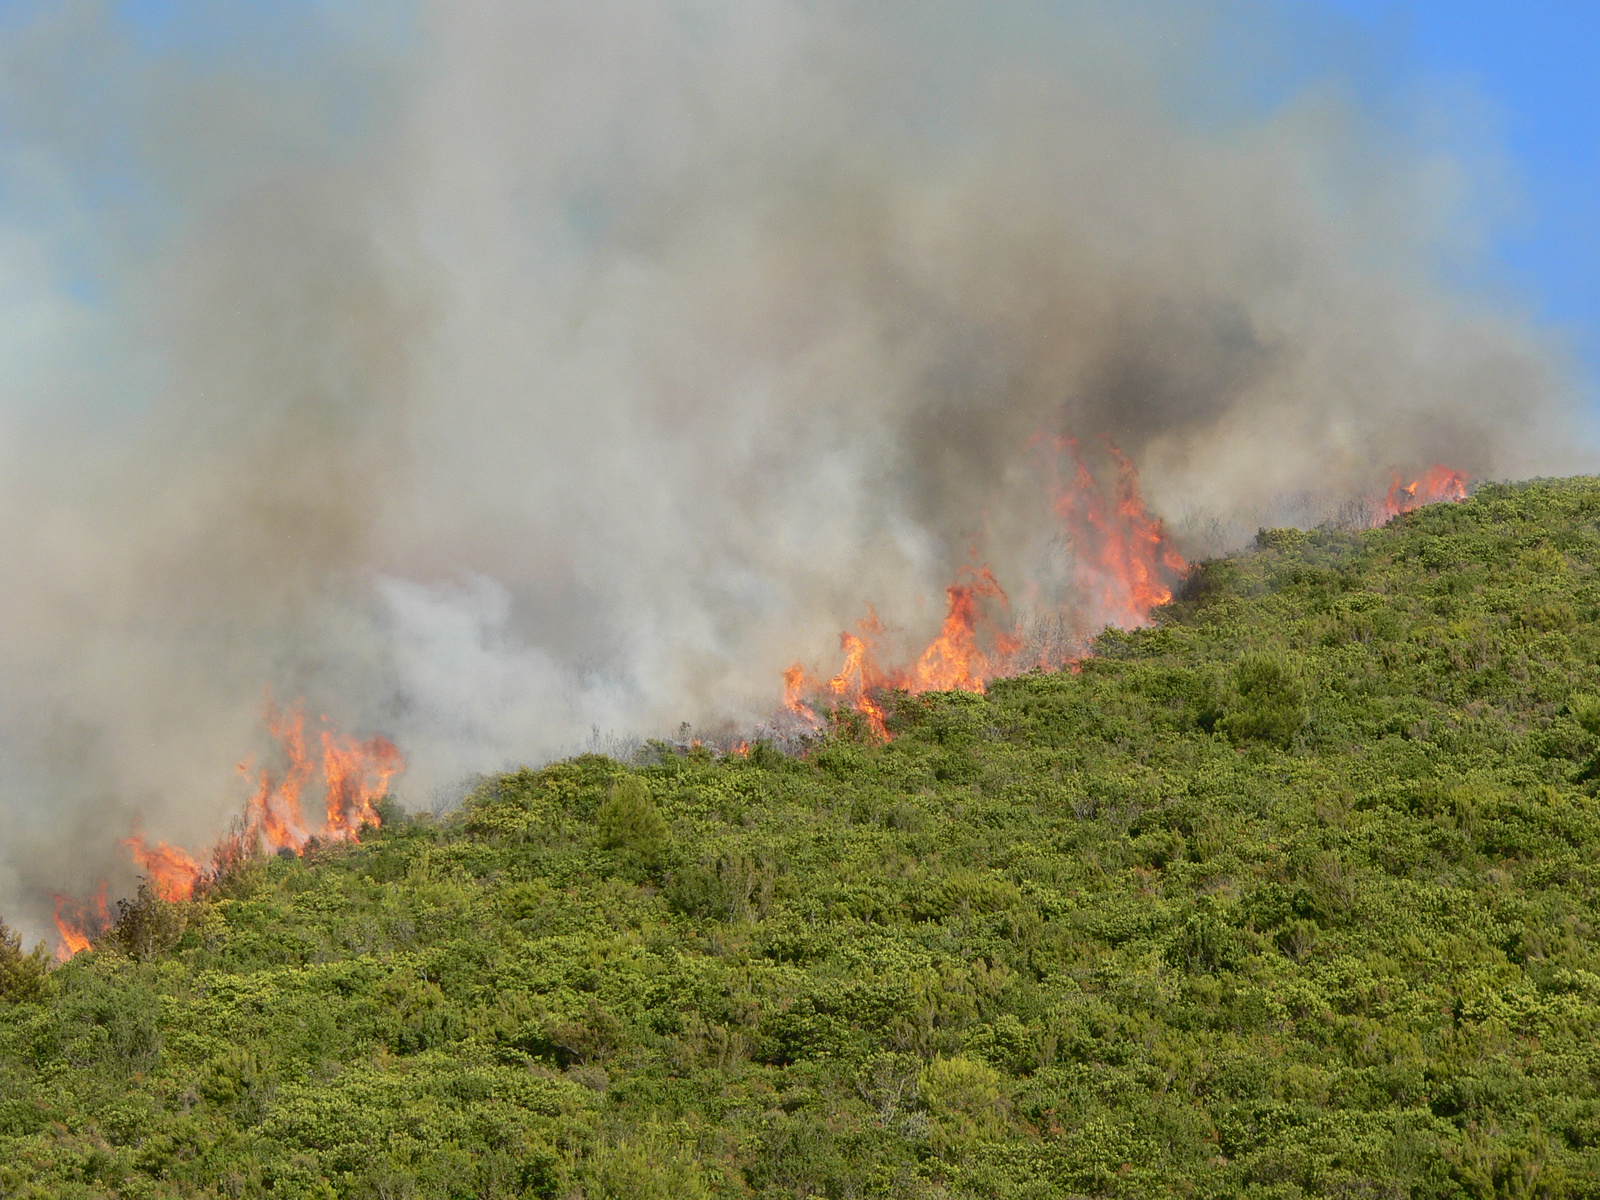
x=1291 y=894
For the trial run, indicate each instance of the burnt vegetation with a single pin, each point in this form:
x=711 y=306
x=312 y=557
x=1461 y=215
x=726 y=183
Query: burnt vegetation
x=1291 y=895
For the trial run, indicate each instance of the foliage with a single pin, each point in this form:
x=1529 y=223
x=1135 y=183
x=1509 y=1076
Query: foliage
x=630 y=825
x=22 y=974
x=1294 y=894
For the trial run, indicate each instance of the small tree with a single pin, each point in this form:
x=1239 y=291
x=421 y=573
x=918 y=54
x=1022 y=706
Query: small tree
x=1272 y=704
x=654 y=1165
x=631 y=827
x=22 y=975
x=966 y=1099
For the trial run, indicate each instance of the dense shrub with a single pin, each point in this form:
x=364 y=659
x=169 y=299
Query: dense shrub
x=1294 y=894
x=22 y=973
x=630 y=825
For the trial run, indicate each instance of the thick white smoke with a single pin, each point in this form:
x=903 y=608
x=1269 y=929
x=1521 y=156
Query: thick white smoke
x=500 y=371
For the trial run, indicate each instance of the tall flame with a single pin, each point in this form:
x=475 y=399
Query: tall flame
x=79 y=922
x=272 y=814
x=797 y=685
x=1438 y=484
x=860 y=675
x=954 y=661
x=171 y=872
x=355 y=776
x=1122 y=558
x=1123 y=567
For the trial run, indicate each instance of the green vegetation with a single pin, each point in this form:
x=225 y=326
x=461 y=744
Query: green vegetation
x=1294 y=894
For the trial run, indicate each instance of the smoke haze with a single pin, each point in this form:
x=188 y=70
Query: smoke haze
x=495 y=372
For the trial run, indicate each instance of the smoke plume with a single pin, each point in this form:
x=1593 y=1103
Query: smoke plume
x=489 y=373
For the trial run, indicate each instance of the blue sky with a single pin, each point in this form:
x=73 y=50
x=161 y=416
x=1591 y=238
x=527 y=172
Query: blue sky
x=1535 y=66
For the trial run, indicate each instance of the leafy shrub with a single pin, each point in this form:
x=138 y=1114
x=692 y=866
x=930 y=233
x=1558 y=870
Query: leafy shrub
x=964 y=892
x=630 y=825
x=1272 y=704
x=733 y=888
x=965 y=1100
x=650 y=1166
x=240 y=1083
x=1205 y=942
x=148 y=926
x=22 y=974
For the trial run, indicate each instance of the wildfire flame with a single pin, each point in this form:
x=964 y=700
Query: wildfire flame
x=1122 y=559
x=171 y=872
x=355 y=776
x=860 y=676
x=79 y=922
x=954 y=661
x=1439 y=484
x=797 y=685
x=1123 y=567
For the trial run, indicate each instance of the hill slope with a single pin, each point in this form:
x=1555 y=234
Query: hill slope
x=1293 y=894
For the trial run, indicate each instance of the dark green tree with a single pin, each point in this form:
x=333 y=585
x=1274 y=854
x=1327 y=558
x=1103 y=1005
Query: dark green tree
x=22 y=973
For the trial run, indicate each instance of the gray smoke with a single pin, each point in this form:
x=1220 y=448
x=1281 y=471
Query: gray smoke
x=496 y=372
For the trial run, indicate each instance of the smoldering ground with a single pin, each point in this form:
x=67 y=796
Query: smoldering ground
x=490 y=372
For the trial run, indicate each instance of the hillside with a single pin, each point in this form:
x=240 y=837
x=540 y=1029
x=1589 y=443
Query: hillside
x=1293 y=894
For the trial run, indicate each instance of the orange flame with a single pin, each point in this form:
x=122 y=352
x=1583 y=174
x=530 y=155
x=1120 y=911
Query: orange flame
x=1123 y=560
x=1439 y=484
x=79 y=923
x=273 y=812
x=797 y=685
x=860 y=676
x=172 y=873
x=355 y=776
x=1124 y=567
x=954 y=661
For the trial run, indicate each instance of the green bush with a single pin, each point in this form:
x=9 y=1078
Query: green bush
x=1271 y=705
x=22 y=974
x=965 y=1099
x=1289 y=895
x=650 y=1166
x=630 y=825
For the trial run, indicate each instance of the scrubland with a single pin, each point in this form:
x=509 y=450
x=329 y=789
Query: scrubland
x=1293 y=894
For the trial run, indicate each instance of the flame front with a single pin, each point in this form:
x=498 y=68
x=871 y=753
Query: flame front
x=1439 y=484
x=354 y=774
x=78 y=923
x=357 y=775
x=1123 y=561
x=860 y=677
x=797 y=685
x=171 y=872
x=954 y=661
x=1123 y=567
x=273 y=812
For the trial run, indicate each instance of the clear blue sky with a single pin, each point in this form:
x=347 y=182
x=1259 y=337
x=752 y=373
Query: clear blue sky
x=1536 y=64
